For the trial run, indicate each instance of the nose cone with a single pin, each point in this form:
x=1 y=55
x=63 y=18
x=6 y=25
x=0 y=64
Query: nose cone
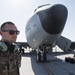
x=53 y=19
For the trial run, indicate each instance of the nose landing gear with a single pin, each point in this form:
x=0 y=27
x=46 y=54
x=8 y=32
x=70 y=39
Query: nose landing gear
x=41 y=55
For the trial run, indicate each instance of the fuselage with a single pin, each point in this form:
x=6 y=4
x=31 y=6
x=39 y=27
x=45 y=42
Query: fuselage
x=46 y=25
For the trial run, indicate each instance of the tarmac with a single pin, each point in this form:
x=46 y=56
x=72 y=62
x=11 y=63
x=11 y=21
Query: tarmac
x=56 y=64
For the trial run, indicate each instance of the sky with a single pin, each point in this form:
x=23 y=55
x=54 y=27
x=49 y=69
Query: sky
x=19 y=11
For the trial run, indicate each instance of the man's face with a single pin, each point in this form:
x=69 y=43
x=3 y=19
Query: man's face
x=6 y=36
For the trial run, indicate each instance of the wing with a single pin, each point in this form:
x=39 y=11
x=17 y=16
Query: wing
x=65 y=44
x=23 y=44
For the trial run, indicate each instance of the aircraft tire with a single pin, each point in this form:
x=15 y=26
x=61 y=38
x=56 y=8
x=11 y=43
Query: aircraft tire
x=44 y=56
x=39 y=56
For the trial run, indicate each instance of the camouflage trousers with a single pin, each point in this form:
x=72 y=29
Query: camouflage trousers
x=9 y=73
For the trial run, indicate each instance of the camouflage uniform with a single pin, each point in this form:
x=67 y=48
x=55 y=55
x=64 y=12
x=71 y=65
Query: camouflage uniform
x=10 y=62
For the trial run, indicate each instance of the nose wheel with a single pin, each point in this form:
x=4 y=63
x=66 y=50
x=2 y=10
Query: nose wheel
x=41 y=56
x=44 y=56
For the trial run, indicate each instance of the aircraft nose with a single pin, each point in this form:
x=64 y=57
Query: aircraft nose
x=53 y=18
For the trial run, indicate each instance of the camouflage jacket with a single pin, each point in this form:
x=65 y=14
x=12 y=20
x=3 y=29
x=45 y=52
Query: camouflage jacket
x=10 y=62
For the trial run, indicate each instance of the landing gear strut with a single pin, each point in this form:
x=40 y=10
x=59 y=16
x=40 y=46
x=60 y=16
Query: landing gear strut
x=41 y=55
